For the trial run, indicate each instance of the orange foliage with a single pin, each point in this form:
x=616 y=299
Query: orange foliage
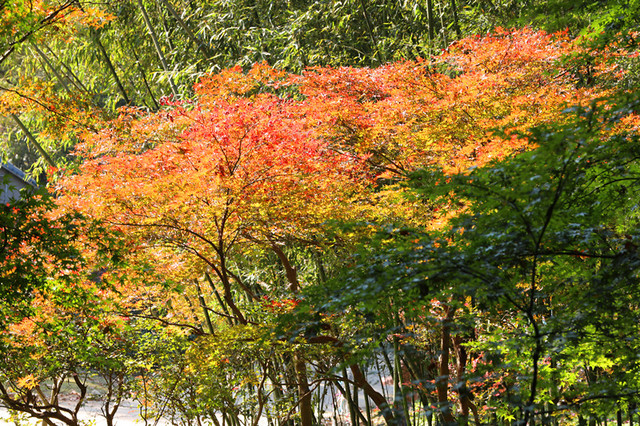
x=209 y=177
x=447 y=111
x=241 y=166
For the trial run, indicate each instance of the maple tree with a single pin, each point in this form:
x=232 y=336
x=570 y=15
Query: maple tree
x=233 y=196
x=456 y=150
x=64 y=62
x=235 y=192
x=448 y=110
x=199 y=186
x=59 y=310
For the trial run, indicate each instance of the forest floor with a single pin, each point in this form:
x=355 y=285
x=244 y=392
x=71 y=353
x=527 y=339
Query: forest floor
x=128 y=415
x=91 y=414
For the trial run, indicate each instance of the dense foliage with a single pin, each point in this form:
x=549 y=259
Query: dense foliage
x=296 y=211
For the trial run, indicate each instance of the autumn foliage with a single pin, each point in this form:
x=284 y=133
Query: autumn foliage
x=235 y=208
x=239 y=152
x=451 y=110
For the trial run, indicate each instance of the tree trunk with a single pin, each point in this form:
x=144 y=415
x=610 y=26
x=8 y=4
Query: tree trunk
x=156 y=45
x=52 y=68
x=431 y=20
x=96 y=38
x=442 y=383
x=33 y=140
x=304 y=393
x=456 y=25
x=205 y=309
x=464 y=394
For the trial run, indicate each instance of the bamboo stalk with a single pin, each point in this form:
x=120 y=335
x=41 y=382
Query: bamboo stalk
x=204 y=49
x=33 y=140
x=52 y=68
x=105 y=55
x=156 y=45
x=203 y=305
x=69 y=72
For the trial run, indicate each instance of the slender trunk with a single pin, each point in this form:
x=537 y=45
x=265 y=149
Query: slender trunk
x=367 y=407
x=144 y=78
x=374 y=44
x=418 y=376
x=53 y=69
x=431 y=21
x=456 y=25
x=73 y=78
x=442 y=383
x=167 y=33
x=194 y=314
x=204 y=49
x=359 y=379
x=223 y=305
x=228 y=298
x=336 y=408
x=397 y=391
x=464 y=394
x=397 y=366
x=110 y=410
x=537 y=350
x=34 y=141
x=304 y=393
x=349 y=398
x=377 y=398
x=223 y=275
x=443 y=28
x=107 y=60
x=156 y=45
x=261 y=401
x=290 y=270
x=203 y=305
x=384 y=391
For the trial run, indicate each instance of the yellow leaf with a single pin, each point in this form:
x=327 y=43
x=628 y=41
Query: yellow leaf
x=27 y=382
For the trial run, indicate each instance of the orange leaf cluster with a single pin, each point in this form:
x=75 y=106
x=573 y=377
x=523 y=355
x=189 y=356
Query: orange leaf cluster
x=216 y=175
x=241 y=165
x=449 y=111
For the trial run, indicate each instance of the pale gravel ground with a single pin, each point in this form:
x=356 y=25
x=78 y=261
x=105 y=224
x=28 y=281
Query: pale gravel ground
x=127 y=415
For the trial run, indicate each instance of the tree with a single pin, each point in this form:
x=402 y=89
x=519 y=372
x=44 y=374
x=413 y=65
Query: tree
x=232 y=194
x=60 y=310
x=67 y=62
x=373 y=112
x=541 y=266
x=216 y=181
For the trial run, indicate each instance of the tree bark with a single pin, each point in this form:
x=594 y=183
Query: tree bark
x=304 y=393
x=442 y=383
x=464 y=394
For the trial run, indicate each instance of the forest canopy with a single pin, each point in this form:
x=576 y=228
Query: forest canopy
x=298 y=212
